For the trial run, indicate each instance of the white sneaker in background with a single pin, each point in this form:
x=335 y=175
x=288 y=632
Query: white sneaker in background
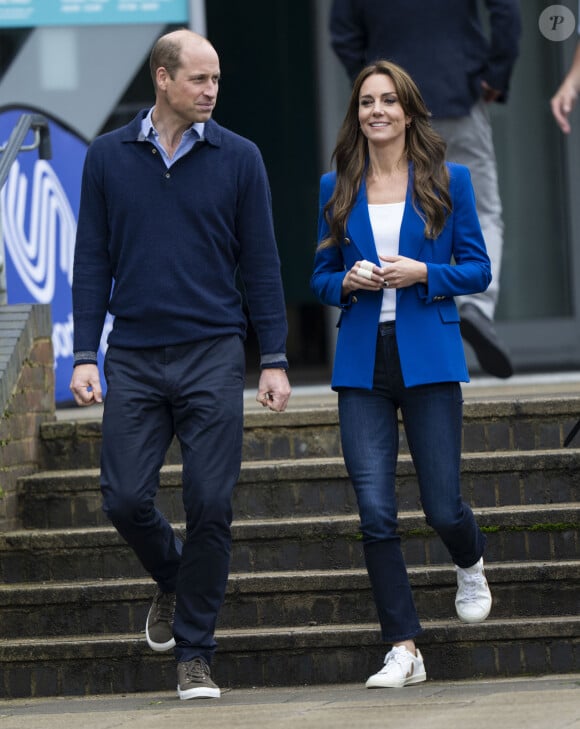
x=401 y=668
x=473 y=599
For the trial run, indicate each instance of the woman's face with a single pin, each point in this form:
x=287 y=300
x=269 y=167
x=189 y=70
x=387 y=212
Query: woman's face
x=380 y=114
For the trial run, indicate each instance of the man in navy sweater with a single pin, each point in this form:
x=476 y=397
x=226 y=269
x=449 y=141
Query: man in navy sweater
x=459 y=73
x=173 y=206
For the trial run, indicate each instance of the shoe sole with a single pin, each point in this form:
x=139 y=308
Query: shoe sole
x=199 y=693
x=416 y=678
x=160 y=647
x=491 y=359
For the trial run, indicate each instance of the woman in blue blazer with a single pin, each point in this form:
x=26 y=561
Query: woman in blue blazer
x=399 y=238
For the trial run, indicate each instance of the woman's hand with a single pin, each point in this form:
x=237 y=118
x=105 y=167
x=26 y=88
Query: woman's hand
x=400 y=272
x=363 y=275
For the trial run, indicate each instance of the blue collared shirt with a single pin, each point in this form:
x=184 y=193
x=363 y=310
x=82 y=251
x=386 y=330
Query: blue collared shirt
x=190 y=137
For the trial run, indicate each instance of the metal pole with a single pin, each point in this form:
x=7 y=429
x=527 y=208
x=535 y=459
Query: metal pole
x=3 y=291
x=197 y=17
x=9 y=153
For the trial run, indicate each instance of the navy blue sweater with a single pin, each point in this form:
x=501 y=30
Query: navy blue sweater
x=440 y=43
x=161 y=248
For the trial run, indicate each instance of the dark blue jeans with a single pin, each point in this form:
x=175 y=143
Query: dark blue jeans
x=432 y=416
x=195 y=392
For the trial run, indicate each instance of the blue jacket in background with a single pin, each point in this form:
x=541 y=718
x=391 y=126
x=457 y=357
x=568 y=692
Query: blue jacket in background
x=427 y=320
x=440 y=43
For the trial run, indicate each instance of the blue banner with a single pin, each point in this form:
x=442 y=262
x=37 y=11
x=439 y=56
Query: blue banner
x=36 y=13
x=39 y=205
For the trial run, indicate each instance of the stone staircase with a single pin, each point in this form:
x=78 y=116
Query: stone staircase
x=73 y=599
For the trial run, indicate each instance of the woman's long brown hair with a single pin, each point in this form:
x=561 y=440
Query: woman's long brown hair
x=423 y=147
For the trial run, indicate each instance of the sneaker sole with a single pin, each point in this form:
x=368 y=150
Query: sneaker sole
x=416 y=678
x=160 y=647
x=199 y=693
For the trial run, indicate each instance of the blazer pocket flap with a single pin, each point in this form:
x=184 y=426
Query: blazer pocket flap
x=448 y=312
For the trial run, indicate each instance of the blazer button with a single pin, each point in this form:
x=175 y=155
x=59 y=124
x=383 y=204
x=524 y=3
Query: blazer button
x=354 y=300
x=347 y=241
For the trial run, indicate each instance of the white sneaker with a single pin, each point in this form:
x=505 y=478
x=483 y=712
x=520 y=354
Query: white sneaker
x=401 y=669
x=473 y=599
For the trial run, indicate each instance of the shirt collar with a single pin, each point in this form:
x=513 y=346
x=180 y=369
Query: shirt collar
x=147 y=128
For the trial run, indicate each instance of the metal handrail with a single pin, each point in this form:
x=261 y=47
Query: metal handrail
x=14 y=146
x=9 y=152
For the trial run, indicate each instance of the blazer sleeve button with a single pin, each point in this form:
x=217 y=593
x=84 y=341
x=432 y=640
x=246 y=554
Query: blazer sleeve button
x=347 y=241
x=354 y=300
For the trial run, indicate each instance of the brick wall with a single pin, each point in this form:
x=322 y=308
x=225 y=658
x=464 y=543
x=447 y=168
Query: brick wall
x=26 y=397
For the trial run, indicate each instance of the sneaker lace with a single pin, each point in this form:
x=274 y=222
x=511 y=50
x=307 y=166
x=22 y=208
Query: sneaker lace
x=197 y=670
x=165 y=606
x=470 y=586
x=400 y=656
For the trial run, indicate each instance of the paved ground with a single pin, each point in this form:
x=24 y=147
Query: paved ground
x=539 y=703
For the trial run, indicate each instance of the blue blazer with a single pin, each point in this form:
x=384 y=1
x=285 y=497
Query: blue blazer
x=427 y=320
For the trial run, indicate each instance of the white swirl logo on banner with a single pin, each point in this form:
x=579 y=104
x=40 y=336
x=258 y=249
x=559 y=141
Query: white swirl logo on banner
x=51 y=231
x=39 y=205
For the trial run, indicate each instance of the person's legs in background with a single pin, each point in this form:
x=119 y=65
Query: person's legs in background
x=470 y=142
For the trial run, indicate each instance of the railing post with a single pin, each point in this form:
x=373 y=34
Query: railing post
x=9 y=152
x=3 y=289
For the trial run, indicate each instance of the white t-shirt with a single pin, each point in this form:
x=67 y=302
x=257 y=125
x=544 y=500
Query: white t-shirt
x=386 y=226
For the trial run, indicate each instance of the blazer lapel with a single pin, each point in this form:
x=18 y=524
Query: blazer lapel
x=359 y=226
x=412 y=236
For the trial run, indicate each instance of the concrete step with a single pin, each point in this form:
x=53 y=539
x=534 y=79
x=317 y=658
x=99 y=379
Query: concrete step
x=301 y=487
x=119 y=663
x=274 y=599
x=515 y=533
x=490 y=424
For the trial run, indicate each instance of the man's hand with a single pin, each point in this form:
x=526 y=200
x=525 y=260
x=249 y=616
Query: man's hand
x=273 y=389
x=85 y=385
x=564 y=100
x=562 y=104
x=488 y=94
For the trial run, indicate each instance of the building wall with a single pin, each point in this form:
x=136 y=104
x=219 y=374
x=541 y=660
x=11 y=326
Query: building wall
x=26 y=397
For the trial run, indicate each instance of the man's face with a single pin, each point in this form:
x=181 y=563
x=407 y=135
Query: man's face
x=192 y=92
